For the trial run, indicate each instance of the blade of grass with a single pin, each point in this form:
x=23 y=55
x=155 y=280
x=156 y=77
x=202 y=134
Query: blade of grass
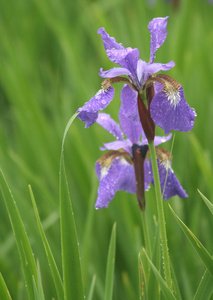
x=73 y=285
x=38 y=290
x=165 y=290
x=4 y=293
x=208 y=203
x=54 y=270
x=142 y=280
x=110 y=266
x=90 y=296
x=22 y=241
x=200 y=249
x=205 y=288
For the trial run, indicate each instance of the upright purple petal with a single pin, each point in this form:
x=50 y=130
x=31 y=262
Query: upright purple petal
x=169 y=110
x=110 y=125
x=109 y=42
x=129 y=103
x=157 y=28
x=89 y=112
x=117 y=53
x=119 y=176
x=132 y=129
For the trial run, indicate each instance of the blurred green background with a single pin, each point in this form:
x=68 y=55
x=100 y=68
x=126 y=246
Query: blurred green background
x=50 y=56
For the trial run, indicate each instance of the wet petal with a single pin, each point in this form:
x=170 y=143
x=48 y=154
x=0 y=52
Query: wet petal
x=132 y=129
x=129 y=103
x=89 y=112
x=109 y=42
x=110 y=125
x=157 y=28
x=173 y=186
x=119 y=176
x=169 y=110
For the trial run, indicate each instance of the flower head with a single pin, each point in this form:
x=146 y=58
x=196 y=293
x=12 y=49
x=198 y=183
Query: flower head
x=166 y=107
x=115 y=169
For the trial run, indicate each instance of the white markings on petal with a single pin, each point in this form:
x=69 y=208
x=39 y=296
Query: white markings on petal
x=173 y=96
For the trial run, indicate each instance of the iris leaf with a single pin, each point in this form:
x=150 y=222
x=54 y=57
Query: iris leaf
x=4 y=293
x=73 y=285
x=200 y=249
x=110 y=266
x=54 y=270
x=207 y=202
x=205 y=288
x=22 y=241
x=165 y=289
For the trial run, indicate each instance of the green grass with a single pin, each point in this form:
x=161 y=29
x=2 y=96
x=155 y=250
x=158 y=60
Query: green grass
x=50 y=56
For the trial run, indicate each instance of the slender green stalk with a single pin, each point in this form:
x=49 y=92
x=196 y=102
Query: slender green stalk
x=146 y=233
x=161 y=218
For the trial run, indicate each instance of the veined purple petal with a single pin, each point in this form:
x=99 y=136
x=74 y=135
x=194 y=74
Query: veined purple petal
x=114 y=72
x=117 y=53
x=131 y=129
x=89 y=112
x=129 y=103
x=130 y=61
x=109 y=42
x=119 y=56
x=110 y=125
x=141 y=67
x=119 y=176
x=157 y=28
x=169 y=110
x=156 y=67
x=173 y=186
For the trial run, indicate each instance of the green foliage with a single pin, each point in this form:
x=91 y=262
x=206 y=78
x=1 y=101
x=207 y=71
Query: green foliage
x=50 y=59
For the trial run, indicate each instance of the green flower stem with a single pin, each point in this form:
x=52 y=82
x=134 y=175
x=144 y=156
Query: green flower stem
x=146 y=233
x=161 y=218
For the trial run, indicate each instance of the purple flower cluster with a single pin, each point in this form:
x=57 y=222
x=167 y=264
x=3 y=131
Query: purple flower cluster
x=147 y=100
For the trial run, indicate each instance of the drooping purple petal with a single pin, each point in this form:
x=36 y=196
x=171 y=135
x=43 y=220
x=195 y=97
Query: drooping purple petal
x=119 y=176
x=162 y=139
x=169 y=110
x=89 y=112
x=110 y=125
x=172 y=186
x=116 y=145
x=129 y=103
x=114 y=72
x=131 y=129
x=156 y=67
x=157 y=28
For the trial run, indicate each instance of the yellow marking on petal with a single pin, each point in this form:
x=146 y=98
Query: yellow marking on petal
x=107 y=159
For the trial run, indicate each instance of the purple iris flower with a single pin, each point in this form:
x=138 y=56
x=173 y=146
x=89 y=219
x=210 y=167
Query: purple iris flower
x=168 y=107
x=115 y=169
